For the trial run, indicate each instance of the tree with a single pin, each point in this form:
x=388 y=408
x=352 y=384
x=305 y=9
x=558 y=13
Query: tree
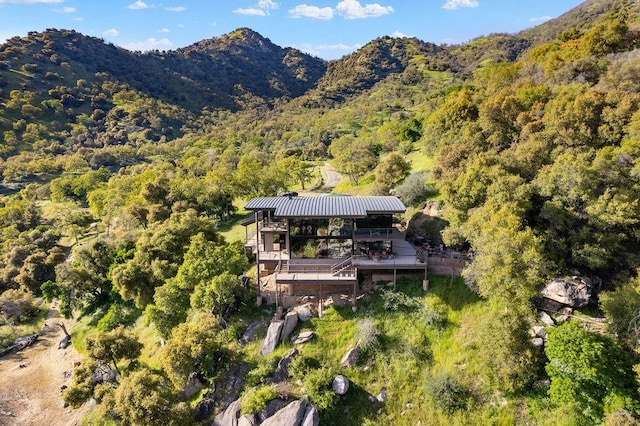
x=587 y=370
x=297 y=170
x=393 y=169
x=144 y=398
x=218 y=294
x=112 y=346
x=353 y=157
x=622 y=310
x=195 y=345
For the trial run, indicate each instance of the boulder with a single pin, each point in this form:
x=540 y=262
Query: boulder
x=230 y=416
x=272 y=338
x=248 y=420
x=271 y=409
x=569 y=291
x=340 y=385
x=546 y=319
x=539 y=331
x=290 y=322
x=538 y=342
x=250 y=333
x=204 y=409
x=311 y=417
x=291 y=415
x=282 y=370
x=304 y=313
x=351 y=357
x=303 y=337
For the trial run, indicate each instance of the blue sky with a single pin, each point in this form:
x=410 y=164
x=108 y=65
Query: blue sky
x=325 y=28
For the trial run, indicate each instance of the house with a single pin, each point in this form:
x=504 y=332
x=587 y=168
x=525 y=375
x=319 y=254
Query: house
x=319 y=243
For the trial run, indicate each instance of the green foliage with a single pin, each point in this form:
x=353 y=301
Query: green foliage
x=143 y=398
x=398 y=301
x=588 y=369
x=16 y=306
x=196 y=345
x=447 y=393
x=622 y=307
x=256 y=399
x=317 y=384
x=217 y=295
x=414 y=190
x=123 y=313
x=113 y=346
x=261 y=374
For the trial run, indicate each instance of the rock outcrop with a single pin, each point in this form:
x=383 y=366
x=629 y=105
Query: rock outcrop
x=291 y=415
x=569 y=291
x=272 y=338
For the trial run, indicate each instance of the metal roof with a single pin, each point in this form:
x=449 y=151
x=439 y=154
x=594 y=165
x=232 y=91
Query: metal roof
x=327 y=206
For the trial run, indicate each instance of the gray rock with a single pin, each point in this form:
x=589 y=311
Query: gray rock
x=538 y=342
x=272 y=338
x=311 y=417
x=539 y=331
x=569 y=291
x=351 y=357
x=229 y=417
x=282 y=371
x=248 y=420
x=250 y=333
x=204 y=409
x=291 y=415
x=290 y=322
x=303 y=337
x=382 y=396
x=304 y=313
x=271 y=409
x=340 y=385
x=546 y=319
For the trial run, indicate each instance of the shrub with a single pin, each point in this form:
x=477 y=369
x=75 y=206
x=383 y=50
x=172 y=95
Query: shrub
x=118 y=314
x=395 y=301
x=368 y=333
x=301 y=365
x=447 y=393
x=16 y=306
x=414 y=189
x=318 y=383
x=256 y=399
x=260 y=374
x=433 y=319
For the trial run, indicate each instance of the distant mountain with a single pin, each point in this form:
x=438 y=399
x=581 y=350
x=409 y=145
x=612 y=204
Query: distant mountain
x=213 y=73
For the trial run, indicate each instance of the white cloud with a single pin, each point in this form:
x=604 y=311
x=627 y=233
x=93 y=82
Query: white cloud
x=314 y=12
x=352 y=9
x=78 y=19
x=261 y=9
x=398 y=34
x=139 y=4
x=213 y=24
x=457 y=4
x=29 y=1
x=254 y=11
x=66 y=9
x=540 y=19
x=111 y=33
x=175 y=9
x=164 y=30
x=150 y=44
x=328 y=51
x=267 y=4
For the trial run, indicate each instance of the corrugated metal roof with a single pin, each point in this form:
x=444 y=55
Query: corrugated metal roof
x=327 y=206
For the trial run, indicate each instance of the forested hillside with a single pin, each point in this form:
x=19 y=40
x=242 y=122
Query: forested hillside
x=121 y=170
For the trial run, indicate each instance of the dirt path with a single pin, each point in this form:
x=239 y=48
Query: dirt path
x=331 y=176
x=30 y=380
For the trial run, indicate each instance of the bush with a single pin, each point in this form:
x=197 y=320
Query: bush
x=414 y=190
x=447 y=393
x=368 y=333
x=395 y=301
x=256 y=399
x=318 y=383
x=260 y=374
x=118 y=314
x=433 y=319
x=16 y=306
x=301 y=365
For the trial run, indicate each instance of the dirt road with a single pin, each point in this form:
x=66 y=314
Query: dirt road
x=331 y=176
x=30 y=380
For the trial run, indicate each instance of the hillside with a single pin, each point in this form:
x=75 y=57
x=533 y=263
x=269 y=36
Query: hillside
x=518 y=155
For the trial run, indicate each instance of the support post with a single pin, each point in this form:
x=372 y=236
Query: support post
x=394 y=278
